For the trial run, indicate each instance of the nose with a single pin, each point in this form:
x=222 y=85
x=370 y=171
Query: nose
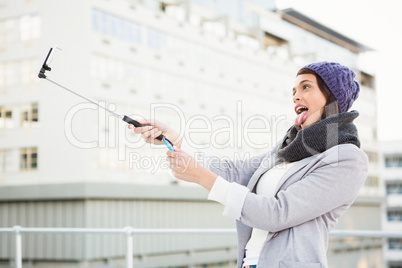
x=296 y=97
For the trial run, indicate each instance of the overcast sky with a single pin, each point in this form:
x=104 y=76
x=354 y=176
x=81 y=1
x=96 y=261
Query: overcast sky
x=377 y=24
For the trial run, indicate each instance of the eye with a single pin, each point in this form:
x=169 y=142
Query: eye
x=306 y=86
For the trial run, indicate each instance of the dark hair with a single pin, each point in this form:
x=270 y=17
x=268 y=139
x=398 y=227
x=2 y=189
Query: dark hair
x=331 y=106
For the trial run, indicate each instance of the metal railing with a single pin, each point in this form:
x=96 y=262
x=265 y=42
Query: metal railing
x=129 y=232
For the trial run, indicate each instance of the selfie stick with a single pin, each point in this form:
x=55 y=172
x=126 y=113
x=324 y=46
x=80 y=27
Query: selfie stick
x=125 y=118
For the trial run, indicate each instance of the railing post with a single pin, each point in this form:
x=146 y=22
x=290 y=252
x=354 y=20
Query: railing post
x=18 y=247
x=129 y=246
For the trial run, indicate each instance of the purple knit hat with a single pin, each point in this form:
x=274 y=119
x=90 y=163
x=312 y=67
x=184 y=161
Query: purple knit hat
x=340 y=81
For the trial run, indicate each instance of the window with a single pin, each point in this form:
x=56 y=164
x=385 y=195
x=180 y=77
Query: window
x=3 y=32
x=393 y=161
x=24 y=28
x=10 y=74
x=248 y=41
x=394 y=188
x=28 y=71
x=102 y=68
x=6 y=117
x=214 y=27
x=29 y=115
x=372 y=156
x=195 y=19
x=395 y=243
x=5 y=161
x=28 y=159
x=109 y=69
x=15 y=73
x=2 y=78
x=136 y=33
x=115 y=26
x=30 y=27
x=372 y=181
x=271 y=40
x=394 y=215
x=156 y=39
x=8 y=31
x=367 y=80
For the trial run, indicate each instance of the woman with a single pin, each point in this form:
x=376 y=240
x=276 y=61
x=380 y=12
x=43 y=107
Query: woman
x=285 y=206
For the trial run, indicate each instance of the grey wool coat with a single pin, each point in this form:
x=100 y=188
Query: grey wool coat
x=310 y=198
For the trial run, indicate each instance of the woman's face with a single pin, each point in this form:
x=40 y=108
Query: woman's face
x=308 y=99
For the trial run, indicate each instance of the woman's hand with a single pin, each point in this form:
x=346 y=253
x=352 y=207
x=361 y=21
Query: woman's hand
x=184 y=167
x=153 y=129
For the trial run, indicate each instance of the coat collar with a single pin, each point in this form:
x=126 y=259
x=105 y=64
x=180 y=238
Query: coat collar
x=271 y=161
x=298 y=165
x=266 y=164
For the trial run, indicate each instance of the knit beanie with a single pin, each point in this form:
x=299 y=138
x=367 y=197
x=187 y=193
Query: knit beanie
x=340 y=81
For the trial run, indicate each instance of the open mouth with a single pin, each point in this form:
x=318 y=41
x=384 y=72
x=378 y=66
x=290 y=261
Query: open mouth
x=301 y=112
x=300 y=109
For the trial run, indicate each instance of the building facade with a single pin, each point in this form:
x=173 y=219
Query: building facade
x=221 y=74
x=391 y=163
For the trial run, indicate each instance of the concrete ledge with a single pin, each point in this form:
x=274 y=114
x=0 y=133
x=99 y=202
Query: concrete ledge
x=100 y=190
x=370 y=200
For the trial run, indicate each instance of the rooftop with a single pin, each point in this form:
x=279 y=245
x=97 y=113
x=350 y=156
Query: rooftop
x=317 y=28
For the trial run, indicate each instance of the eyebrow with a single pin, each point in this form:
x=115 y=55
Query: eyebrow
x=301 y=82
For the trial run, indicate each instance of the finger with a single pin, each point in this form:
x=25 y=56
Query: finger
x=176 y=152
x=182 y=166
x=148 y=140
x=155 y=134
x=173 y=160
x=147 y=135
x=140 y=130
x=145 y=121
x=170 y=159
x=171 y=153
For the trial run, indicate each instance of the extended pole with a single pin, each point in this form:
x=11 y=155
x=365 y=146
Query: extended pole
x=42 y=74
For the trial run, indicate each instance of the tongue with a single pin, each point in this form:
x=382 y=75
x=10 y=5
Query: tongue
x=301 y=118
